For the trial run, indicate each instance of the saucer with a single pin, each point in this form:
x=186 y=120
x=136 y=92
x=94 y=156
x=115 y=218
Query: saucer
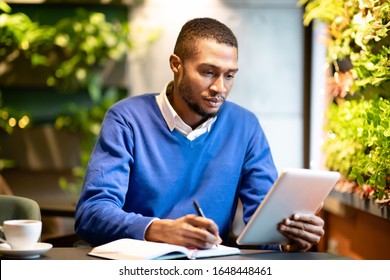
x=39 y=249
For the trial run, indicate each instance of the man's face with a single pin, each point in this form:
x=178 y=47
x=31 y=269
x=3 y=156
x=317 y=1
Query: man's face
x=205 y=80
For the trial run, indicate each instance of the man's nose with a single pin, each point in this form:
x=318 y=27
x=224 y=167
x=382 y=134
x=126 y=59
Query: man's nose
x=219 y=85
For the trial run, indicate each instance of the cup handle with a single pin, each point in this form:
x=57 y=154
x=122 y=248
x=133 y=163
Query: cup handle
x=1 y=239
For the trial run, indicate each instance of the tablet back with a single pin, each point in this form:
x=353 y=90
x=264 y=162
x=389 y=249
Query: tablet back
x=295 y=191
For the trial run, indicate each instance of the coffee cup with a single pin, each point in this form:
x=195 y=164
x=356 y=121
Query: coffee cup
x=21 y=234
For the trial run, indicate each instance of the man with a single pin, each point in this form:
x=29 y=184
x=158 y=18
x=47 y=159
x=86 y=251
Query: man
x=157 y=153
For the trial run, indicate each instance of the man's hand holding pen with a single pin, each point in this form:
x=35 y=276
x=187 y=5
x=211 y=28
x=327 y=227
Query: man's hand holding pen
x=209 y=230
x=190 y=231
x=199 y=210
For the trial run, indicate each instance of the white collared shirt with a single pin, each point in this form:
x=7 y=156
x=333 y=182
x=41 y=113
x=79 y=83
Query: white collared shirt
x=174 y=121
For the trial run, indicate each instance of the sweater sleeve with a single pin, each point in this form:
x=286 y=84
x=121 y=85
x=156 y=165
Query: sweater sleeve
x=258 y=175
x=100 y=217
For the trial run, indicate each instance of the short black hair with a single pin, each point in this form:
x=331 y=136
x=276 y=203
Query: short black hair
x=202 y=28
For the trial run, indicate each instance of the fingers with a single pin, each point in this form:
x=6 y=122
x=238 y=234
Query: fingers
x=203 y=230
x=310 y=219
x=189 y=231
x=303 y=230
x=204 y=223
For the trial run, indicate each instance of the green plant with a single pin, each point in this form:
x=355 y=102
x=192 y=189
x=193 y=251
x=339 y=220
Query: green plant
x=359 y=32
x=358 y=143
x=357 y=121
x=71 y=54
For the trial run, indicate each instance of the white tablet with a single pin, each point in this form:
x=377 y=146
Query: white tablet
x=295 y=191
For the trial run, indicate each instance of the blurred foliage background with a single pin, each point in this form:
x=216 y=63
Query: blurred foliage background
x=64 y=59
x=357 y=141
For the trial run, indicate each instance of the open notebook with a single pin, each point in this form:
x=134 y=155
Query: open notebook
x=132 y=249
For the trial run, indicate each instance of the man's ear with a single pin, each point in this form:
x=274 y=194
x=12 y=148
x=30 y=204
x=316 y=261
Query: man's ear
x=174 y=62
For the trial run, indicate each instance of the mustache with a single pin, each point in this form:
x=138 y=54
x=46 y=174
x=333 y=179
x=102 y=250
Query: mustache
x=216 y=98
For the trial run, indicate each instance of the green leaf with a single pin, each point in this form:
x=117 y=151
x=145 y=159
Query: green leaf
x=5 y=7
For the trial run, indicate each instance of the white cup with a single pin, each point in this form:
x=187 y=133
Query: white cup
x=21 y=234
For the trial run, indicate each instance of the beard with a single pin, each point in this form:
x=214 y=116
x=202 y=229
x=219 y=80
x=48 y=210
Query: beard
x=187 y=95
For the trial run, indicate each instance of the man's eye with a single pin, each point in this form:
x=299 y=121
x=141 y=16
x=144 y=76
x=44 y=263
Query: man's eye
x=209 y=73
x=230 y=76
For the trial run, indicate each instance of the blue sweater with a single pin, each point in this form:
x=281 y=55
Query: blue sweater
x=140 y=170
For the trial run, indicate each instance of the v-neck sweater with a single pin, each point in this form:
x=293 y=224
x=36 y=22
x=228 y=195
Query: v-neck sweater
x=140 y=170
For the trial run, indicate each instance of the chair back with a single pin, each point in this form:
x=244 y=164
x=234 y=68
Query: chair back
x=16 y=207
